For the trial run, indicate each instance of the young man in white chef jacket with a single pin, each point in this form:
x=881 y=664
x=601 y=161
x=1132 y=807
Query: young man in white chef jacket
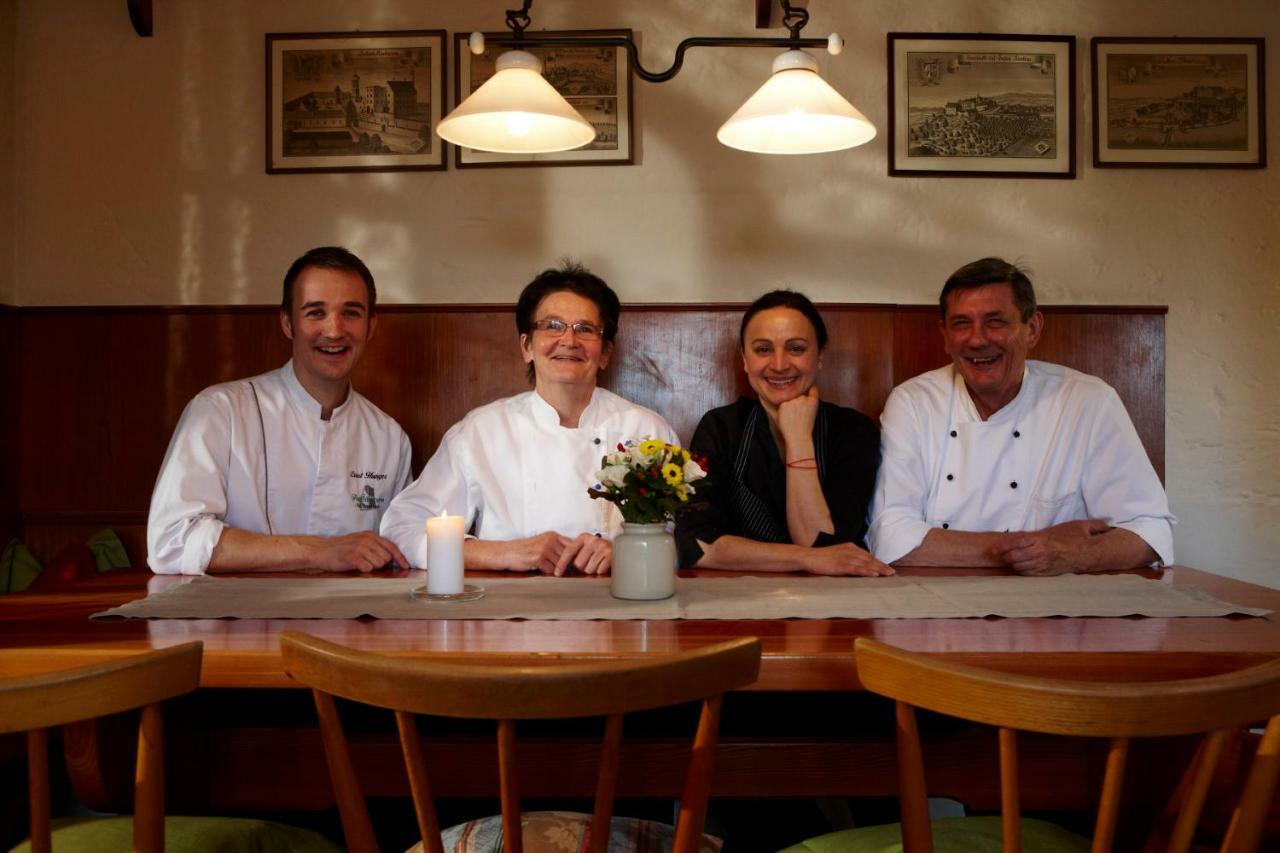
x=290 y=470
x=995 y=460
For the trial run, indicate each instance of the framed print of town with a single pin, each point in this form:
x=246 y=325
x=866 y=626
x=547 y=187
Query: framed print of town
x=355 y=102
x=981 y=105
x=1180 y=103
x=596 y=81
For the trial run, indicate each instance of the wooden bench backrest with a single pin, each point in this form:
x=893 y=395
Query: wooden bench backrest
x=100 y=389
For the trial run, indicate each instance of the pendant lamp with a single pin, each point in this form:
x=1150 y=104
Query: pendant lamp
x=796 y=112
x=516 y=111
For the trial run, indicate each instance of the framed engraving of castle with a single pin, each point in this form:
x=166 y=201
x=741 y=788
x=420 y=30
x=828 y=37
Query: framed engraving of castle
x=1179 y=103
x=982 y=105
x=355 y=102
x=596 y=81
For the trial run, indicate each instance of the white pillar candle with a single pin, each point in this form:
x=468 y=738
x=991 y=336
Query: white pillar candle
x=444 y=555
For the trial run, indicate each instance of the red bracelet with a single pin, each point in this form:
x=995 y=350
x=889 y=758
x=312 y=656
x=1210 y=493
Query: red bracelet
x=800 y=465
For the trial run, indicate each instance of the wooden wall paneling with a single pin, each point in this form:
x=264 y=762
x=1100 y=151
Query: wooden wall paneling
x=917 y=343
x=64 y=418
x=1126 y=350
x=10 y=442
x=857 y=367
x=100 y=389
x=680 y=364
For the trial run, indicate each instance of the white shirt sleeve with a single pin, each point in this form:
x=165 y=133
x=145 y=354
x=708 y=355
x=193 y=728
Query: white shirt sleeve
x=1120 y=486
x=190 y=498
x=442 y=487
x=901 y=497
x=404 y=468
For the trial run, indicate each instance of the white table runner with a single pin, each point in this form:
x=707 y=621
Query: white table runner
x=770 y=597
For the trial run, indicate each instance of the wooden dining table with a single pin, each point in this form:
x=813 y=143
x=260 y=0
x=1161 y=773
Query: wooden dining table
x=281 y=765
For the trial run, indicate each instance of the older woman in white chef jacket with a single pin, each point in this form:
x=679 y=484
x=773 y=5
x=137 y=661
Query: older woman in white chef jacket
x=518 y=469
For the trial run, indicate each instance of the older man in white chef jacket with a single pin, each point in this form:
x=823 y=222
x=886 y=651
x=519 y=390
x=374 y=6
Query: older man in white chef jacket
x=995 y=460
x=292 y=469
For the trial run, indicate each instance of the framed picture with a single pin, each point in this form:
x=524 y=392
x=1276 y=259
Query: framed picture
x=1179 y=103
x=980 y=105
x=596 y=81
x=355 y=102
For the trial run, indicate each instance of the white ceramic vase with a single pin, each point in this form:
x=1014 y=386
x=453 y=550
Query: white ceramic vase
x=644 y=562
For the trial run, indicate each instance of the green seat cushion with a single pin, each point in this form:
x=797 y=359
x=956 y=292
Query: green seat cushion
x=18 y=567
x=185 y=835
x=950 y=835
x=564 y=832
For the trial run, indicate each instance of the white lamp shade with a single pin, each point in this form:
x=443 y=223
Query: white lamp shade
x=516 y=111
x=796 y=112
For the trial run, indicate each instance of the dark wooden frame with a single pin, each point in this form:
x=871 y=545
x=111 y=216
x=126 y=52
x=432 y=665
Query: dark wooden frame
x=1256 y=79
x=435 y=39
x=575 y=157
x=1063 y=106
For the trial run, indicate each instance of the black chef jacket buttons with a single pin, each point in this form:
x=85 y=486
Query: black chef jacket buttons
x=951 y=476
x=1014 y=484
x=945 y=525
x=953 y=433
x=1017 y=434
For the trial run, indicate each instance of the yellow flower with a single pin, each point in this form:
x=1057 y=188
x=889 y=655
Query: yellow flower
x=672 y=474
x=682 y=492
x=652 y=446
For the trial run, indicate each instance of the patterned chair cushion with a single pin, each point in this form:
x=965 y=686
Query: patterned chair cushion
x=950 y=835
x=564 y=832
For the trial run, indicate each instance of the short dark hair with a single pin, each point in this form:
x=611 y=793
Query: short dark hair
x=574 y=278
x=329 y=258
x=569 y=277
x=992 y=271
x=784 y=299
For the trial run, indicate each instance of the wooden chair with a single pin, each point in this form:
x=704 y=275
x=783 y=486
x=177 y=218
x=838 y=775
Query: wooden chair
x=509 y=693
x=1215 y=706
x=37 y=703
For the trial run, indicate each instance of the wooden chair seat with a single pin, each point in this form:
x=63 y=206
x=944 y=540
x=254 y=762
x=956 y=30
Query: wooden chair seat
x=505 y=694
x=1215 y=707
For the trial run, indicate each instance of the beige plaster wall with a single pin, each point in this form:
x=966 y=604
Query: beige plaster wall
x=139 y=179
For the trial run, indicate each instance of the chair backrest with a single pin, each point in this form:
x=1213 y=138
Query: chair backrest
x=507 y=693
x=1215 y=706
x=33 y=704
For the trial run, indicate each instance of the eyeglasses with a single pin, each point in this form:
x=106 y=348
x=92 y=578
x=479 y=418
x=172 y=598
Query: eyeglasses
x=557 y=327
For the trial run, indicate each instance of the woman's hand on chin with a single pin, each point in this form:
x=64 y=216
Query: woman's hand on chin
x=589 y=554
x=844 y=559
x=797 y=415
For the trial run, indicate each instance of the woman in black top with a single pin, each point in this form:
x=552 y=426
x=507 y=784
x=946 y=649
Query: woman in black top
x=791 y=476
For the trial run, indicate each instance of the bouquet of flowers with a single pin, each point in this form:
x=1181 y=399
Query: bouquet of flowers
x=649 y=480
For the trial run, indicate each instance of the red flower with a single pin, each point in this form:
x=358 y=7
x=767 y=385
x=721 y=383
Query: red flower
x=643 y=491
x=620 y=447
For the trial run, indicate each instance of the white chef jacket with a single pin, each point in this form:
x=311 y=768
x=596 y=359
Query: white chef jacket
x=512 y=471
x=288 y=473
x=1063 y=449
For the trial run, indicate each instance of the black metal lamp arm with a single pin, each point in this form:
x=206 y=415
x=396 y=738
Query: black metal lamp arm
x=794 y=19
